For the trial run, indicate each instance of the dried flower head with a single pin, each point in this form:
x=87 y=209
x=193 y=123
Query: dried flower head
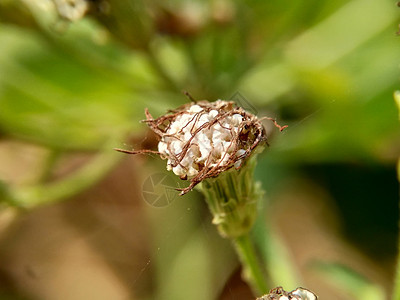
x=298 y=294
x=72 y=10
x=202 y=139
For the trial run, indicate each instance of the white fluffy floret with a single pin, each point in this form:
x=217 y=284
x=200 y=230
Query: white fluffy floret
x=211 y=146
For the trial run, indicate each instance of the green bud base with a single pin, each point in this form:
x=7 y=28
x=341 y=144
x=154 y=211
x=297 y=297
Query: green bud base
x=232 y=198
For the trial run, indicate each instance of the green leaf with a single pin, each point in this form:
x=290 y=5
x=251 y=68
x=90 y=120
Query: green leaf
x=54 y=98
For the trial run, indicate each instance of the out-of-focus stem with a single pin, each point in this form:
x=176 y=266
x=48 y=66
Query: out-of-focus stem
x=170 y=83
x=98 y=167
x=396 y=290
x=252 y=271
x=48 y=165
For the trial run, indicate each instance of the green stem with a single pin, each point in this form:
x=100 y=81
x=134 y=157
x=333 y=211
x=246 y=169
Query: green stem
x=46 y=193
x=48 y=165
x=396 y=290
x=232 y=198
x=252 y=272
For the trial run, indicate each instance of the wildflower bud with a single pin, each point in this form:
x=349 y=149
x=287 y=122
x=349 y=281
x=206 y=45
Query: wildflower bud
x=210 y=143
x=185 y=21
x=213 y=145
x=223 y=12
x=298 y=294
x=204 y=139
x=72 y=10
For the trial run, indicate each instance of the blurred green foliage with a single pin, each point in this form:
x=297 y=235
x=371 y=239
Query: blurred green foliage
x=351 y=282
x=326 y=68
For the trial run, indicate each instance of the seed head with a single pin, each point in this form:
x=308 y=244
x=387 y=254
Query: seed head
x=200 y=140
x=298 y=294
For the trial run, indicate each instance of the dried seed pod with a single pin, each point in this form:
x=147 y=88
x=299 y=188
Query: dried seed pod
x=298 y=294
x=207 y=143
x=200 y=140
